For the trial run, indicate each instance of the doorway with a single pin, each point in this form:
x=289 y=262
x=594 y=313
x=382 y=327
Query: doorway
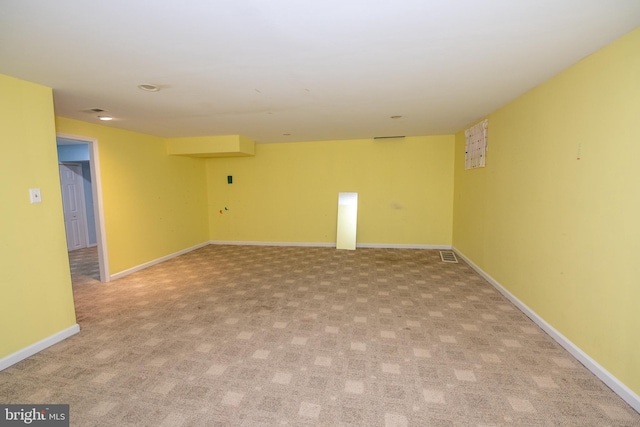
x=74 y=206
x=89 y=164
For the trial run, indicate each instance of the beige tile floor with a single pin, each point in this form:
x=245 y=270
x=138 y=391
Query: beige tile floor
x=272 y=336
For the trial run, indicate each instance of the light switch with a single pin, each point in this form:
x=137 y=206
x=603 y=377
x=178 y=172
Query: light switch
x=34 y=194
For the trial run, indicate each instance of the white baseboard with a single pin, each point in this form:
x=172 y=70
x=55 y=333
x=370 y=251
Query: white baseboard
x=20 y=355
x=156 y=261
x=251 y=243
x=330 y=244
x=401 y=246
x=609 y=379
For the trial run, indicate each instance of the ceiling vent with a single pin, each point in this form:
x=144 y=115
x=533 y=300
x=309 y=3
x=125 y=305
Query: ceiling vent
x=94 y=110
x=448 y=256
x=389 y=137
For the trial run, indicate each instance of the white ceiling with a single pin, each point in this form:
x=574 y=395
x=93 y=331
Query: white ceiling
x=314 y=69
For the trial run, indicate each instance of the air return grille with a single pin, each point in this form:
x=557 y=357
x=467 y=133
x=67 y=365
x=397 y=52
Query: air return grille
x=448 y=256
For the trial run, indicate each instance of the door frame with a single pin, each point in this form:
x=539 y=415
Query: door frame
x=83 y=205
x=96 y=185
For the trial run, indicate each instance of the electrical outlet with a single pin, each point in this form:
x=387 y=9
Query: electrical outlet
x=35 y=196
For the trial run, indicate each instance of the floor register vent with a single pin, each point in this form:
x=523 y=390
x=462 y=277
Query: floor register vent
x=448 y=256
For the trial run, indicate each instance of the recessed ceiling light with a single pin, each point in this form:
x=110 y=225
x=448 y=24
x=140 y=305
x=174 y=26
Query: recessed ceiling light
x=105 y=118
x=149 y=87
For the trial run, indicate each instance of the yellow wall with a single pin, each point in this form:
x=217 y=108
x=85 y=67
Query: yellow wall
x=561 y=234
x=154 y=204
x=36 y=299
x=289 y=192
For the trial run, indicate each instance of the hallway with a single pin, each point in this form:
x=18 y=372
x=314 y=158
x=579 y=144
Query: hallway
x=84 y=265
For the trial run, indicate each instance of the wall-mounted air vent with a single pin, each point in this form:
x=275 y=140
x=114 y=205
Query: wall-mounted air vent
x=448 y=256
x=389 y=137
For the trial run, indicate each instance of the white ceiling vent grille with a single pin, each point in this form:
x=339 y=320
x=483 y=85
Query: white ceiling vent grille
x=448 y=256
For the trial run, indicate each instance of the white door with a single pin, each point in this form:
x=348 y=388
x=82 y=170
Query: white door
x=73 y=204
